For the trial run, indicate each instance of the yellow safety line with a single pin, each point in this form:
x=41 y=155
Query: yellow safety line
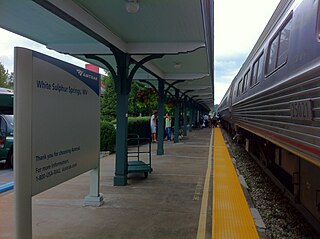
x=204 y=203
x=231 y=216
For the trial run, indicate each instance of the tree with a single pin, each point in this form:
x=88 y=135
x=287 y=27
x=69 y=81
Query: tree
x=109 y=99
x=10 y=80
x=215 y=108
x=141 y=100
x=147 y=100
x=133 y=101
x=3 y=76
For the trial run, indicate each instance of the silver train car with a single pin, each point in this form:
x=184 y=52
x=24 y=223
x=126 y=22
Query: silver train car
x=273 y=102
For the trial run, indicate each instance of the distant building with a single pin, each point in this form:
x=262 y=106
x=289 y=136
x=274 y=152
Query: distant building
x=94 y=68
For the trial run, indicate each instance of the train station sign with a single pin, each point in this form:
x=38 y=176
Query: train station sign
x=64 y=106
x=57 y=127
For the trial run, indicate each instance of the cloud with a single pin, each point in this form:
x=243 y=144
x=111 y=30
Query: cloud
x=220 y=90
x=5 y=61
x=228 y=65
x=238 y=25
x=225 y=69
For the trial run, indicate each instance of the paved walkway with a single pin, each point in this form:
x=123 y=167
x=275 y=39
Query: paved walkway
x=165 y=205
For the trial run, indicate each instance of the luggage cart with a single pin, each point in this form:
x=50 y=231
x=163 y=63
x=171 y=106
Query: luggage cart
x=139 y=165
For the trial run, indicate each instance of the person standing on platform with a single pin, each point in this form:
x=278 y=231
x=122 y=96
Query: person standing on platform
x=168 y=126
x=209 y=121
x=153 y=126
x=214 y=120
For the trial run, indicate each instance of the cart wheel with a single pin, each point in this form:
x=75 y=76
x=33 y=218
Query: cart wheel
x=145 y=174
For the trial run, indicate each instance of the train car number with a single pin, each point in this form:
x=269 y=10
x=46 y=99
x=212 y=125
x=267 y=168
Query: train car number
x=301 y=110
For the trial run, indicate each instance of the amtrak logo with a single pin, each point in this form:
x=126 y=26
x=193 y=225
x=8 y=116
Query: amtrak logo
x=86 y=75
x=80 y=72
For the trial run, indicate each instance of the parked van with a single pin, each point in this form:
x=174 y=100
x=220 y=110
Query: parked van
x=6 y=139
x=6 y=101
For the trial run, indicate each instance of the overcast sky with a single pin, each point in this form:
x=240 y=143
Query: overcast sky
x=238 y=25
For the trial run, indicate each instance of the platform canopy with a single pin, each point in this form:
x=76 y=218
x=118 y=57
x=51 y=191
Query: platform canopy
x=181 y=30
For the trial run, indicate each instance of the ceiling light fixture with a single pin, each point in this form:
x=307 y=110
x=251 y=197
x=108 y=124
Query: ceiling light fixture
x=132 y=6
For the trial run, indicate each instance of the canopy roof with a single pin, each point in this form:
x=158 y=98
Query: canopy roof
x=182 y=30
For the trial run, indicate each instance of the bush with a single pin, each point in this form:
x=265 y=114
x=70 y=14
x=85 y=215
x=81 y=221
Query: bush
x=107 y=136
x=136 y=126
x=140 y=126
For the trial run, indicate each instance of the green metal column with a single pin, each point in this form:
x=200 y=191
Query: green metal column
x=195 y=117
x=191 y=110
x=123 y=80
x=161 y=100
x=185 y=116
x=176 y=117
x=120 y=178
x=122 y=85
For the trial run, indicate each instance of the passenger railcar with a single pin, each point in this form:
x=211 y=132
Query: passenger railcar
x=274 y=100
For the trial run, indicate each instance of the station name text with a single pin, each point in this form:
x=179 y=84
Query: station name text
x=60 y=88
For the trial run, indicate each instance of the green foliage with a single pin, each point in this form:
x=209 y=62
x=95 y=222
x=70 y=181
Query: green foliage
x=107 y=136
x=3 y=76
x=140 y=126
x=137 y=105
x=141 y=100
x=109 y=99
x=136 y=126
x=133 y=107
x=147 y=100
x=215 y=108
x=170 y=105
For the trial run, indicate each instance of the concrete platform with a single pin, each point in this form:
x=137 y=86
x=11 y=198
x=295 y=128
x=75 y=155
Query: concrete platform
x=165 y=205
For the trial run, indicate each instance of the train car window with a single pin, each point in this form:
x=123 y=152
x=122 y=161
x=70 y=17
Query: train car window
x=273 y=50
x=255 y=68
x=228 y=96
x=245 y=81
x=278 y=47
x=239 y=87
x=284 y=44
x=235 y=91
x=260 y=69
x=257 y=71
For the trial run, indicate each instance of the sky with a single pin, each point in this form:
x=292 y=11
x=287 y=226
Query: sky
x=238 y=25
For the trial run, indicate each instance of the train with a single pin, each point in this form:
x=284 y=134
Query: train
x=273 y=103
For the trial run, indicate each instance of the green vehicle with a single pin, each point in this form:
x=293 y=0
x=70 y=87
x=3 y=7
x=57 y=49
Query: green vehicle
x=6 y=139
x=6 y=126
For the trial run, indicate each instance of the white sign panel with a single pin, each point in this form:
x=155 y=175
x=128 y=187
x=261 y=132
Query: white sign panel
x=65 y=116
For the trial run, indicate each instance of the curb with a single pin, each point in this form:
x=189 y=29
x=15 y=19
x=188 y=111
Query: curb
x=6 y=187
